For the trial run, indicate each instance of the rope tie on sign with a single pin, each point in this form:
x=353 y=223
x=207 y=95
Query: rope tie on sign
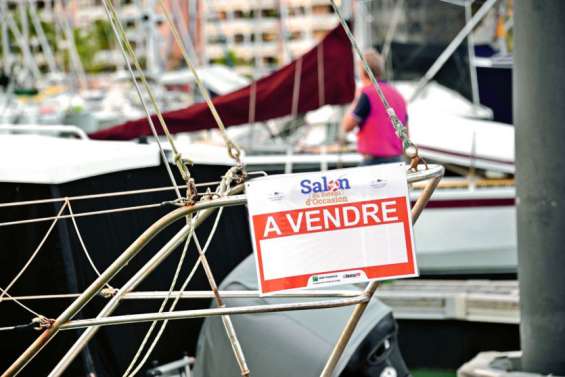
x=232 y=148
x=410 y=149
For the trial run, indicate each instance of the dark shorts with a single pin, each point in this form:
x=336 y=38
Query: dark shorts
x=380 y=160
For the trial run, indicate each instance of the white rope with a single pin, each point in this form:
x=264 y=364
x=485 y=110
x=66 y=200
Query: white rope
x=83 y=246
x=182 y=289
x=103 y=195
x=40 y=297
x=82 y=214
x=17 y=301
x=34 y=254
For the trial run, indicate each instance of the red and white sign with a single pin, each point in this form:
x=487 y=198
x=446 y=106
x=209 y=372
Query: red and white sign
x=327 y=228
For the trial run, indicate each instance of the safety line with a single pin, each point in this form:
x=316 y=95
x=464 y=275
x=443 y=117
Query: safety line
x=233 y=149
x=401 y=131
x=102 y=195
x=34 y=254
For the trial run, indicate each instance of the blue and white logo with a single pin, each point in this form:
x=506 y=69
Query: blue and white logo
x=308 y=186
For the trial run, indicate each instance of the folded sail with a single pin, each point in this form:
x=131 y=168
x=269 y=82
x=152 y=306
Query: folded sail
x=324 y=75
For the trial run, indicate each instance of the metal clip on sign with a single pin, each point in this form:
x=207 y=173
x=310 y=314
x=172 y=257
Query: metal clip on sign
x=65 y=321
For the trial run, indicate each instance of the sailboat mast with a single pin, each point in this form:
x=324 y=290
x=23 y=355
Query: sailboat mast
x=6 y=53
x=283 y=16
x=471 y=55
x=45 y=47
x=76 y=64
x=151 y=47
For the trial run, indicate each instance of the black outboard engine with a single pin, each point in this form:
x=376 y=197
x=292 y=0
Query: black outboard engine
x=378 y=354
x=297 y=343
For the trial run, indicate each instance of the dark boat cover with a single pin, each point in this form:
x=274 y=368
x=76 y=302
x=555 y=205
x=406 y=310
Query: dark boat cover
x=326 y=77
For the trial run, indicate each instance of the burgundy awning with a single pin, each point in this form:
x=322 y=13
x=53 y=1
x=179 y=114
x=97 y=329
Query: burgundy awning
x=326 y=69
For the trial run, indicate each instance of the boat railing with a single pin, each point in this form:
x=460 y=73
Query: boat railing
x=198 y=212
x=48 y=129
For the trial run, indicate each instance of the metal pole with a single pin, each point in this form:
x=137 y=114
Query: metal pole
x=184 y=29
x=6 y=56
x=398 y=11
x=28 y=57
x=450 y=49
x=24 y=22
x=201 y=313
x=158 y=295
x=539 y=89
x=433 y=171
x=71 y=45
x=130 y=285
x=353 y=320
x=471 y=55
x=110 y=272
x=286 y=54
x=45 y=47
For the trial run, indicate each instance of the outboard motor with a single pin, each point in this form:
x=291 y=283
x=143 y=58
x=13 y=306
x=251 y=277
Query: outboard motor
x=297 y=343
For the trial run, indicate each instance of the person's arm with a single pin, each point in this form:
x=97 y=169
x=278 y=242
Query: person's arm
x=357 y=116
x=348 y=123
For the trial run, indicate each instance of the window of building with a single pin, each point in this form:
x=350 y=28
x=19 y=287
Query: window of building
x=270 y=13
x=269 y=37
x=271 y=60
x=322 y=9
x=296 y=35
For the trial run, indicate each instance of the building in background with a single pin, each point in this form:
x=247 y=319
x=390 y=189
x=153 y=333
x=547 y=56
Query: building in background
x=260 y=35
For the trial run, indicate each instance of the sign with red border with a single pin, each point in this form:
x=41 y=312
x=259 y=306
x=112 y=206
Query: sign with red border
x=312 y=230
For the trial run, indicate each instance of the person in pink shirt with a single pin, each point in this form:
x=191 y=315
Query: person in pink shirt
x=376 y=139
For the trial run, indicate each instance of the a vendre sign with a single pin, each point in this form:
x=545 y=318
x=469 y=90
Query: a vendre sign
x=334 y=227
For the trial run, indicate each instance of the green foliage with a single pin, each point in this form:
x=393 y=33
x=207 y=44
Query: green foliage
x=88 y=41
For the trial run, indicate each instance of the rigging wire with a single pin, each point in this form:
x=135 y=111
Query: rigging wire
x=221 y=190
x=163 y=303
x=182 y=289
x=17 y=301
x=125 y=48
x=401 y=131
x=34 y=254
x=233 y=149
x=83 y=214
x=83 y=246
x=104 y=211
x=103 y=195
